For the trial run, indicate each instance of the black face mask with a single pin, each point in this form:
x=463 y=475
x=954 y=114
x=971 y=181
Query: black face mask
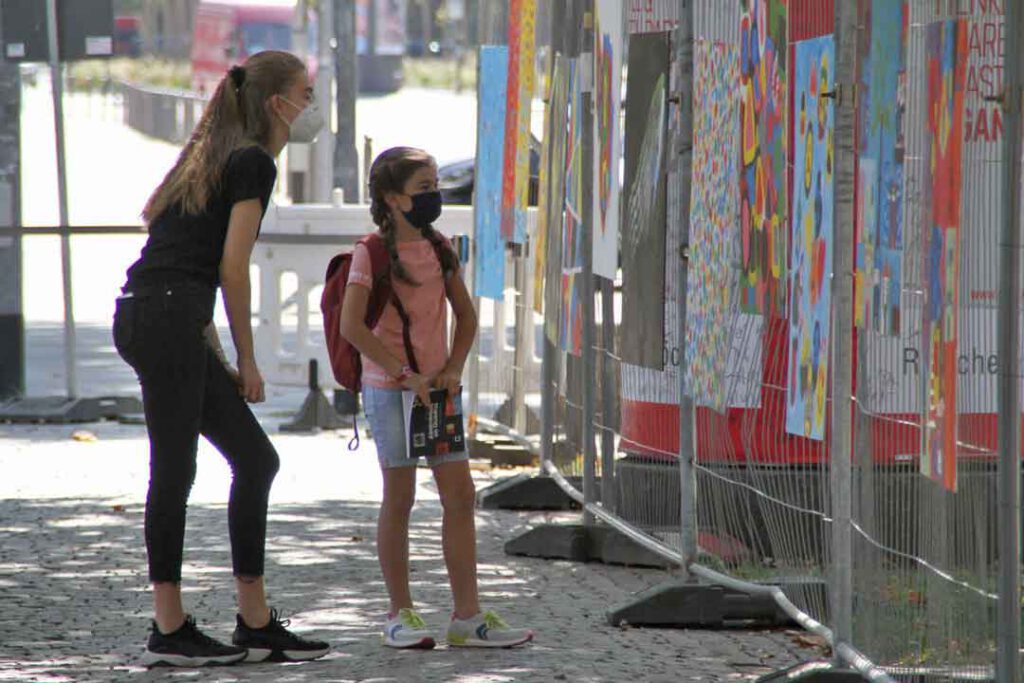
x=426 y=208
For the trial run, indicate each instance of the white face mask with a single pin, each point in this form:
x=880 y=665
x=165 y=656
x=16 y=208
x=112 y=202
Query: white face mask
x=307 y=125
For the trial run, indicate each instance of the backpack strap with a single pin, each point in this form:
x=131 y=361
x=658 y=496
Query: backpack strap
x=380 y=263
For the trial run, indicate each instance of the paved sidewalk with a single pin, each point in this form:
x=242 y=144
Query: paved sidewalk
x=76 y=604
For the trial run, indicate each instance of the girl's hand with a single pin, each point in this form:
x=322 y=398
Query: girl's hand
x=420 y=385
x=250 y=385
x=449 y=379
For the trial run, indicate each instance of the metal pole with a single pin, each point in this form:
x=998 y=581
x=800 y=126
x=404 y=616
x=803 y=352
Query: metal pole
x=609 y=488
x=12 y=321
x=1008 y=661
x=841 y=466
x=524 y=313
x=585 y=67
x=56 y=76
x=524 y=319
x=549 y=356
x=346 y=74
x=323 y=148
x=682 y=147
x=490 y=34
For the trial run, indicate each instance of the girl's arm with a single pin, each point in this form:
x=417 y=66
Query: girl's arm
x=243 y=226
x=465 y=332
x=354 y=329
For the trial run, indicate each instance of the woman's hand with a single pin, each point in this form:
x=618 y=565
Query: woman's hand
x=420 y=385
x=233 y=374
x=250 y=384
x=449 y=379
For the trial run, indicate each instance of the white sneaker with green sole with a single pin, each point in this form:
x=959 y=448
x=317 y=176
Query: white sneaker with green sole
x=408 y=631
x=486 y=630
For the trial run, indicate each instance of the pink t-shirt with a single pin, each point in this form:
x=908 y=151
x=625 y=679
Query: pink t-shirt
x=426 y=306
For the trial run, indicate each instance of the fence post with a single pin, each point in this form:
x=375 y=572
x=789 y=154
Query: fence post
x=523 y=318
x=57 y=86
x=1008 y=662
x=12 y=319
x=682 y=147
x=841 y=470
x=585 y=68
x=549 y=355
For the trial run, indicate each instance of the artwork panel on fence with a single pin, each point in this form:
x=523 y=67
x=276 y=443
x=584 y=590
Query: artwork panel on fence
x=811 y=238
x=763 y=144
x=509 y=199
x=642 y=329
x=882 y=100
x=570 y=334
x=946 y=54
x=561 y=82
x=527 y=83
x=608 y=51
x=489 y=261
x=713 y=278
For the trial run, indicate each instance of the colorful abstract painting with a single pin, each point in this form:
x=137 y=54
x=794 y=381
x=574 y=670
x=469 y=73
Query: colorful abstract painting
x=489 y=258
x=946 y=54
x=763 y=142
x=712 y=281
x=570 y=336
x=520 y=87
x=811 y=237
x=608 y=50
x=561 y=84
x=642 y=329
x=882 y=101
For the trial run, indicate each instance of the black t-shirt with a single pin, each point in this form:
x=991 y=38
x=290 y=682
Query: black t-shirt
x=188 y=248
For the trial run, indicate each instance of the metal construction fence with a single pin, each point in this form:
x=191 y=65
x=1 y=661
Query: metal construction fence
x=780 y=347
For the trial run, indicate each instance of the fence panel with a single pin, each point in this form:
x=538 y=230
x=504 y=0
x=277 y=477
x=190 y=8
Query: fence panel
x=926 y=549
x=758 y=346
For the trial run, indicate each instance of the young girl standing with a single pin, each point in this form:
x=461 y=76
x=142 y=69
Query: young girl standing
x=425 y=275
x=203 y=220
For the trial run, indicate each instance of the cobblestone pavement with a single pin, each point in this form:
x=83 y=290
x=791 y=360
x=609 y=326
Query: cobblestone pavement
x=75 y=604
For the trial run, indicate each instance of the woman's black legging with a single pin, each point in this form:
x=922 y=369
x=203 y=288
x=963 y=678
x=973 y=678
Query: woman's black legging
x=186 y=391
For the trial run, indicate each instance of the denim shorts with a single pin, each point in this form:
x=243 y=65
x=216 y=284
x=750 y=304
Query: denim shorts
x=383 y=409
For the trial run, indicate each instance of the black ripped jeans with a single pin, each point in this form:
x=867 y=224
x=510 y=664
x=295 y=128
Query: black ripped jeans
x=186 y=391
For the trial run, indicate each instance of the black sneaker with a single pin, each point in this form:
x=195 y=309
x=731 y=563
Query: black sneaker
x=275 y=643
x=188 y=646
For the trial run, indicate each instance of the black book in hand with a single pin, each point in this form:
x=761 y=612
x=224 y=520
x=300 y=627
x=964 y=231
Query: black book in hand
x=436 y=429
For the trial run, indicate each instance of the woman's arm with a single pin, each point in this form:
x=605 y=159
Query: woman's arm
x=465 y=332
x=213 y=341
x=243 y=226
x=354 y=329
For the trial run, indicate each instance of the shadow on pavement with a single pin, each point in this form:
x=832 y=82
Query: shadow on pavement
x=77 y=607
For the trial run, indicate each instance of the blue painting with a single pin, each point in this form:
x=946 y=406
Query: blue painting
x=489 y=261
x=811 y=240
x=879 y=253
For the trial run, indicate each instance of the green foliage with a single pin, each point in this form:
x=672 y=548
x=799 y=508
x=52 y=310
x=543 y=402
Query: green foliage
x=133 y=7
x=145 y=71
x=441 y=73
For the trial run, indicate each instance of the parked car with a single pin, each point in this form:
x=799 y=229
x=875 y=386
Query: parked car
x=415 y=47
x=456 y=179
